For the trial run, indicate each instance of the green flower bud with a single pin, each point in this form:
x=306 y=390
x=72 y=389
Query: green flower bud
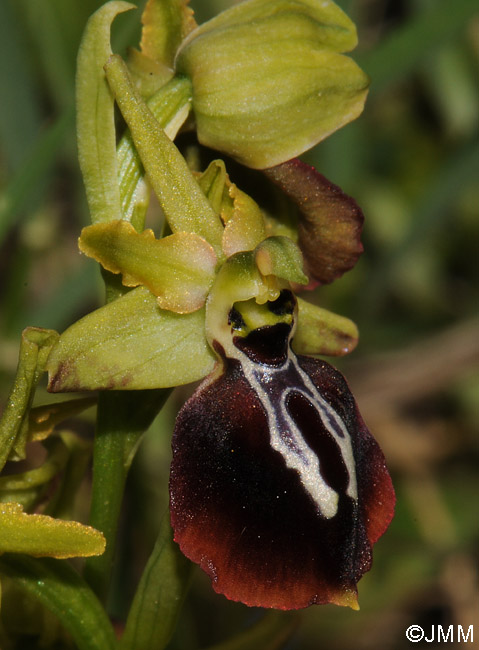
x=269 y=81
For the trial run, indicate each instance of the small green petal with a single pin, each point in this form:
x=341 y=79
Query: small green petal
x=268 y=78
x=179 y=269
x=244 y=228
x=243 y=219
x=95 y=116
x=281 y=257
x=131 y=344
x=320 y=331
x=185 y=206
x=39 y=535
x=212 y=181
x=165 y=25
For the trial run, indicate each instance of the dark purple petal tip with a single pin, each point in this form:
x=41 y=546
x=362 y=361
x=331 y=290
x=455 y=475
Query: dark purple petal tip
x=329 y=224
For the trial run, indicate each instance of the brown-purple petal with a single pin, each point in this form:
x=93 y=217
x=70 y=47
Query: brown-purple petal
x=329 y=221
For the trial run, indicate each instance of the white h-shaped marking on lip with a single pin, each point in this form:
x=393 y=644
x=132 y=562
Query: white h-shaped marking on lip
x=297 y=454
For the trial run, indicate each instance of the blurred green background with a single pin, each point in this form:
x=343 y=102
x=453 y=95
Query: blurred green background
x=412 y=163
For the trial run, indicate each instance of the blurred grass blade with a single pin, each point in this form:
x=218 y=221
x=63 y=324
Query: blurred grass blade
x=61 y=590
x=65 y=300
x=31 y=175
x=432 y=209
x=159 y=597
x=54 y=47
x=62 y=504
x=19 y=109
x=272 y=631
x=410 y=46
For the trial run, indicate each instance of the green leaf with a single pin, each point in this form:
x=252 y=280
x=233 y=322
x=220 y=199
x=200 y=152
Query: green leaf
x=283 y=56
x=165 y=25
x=59 y=588
x=95 y=116
x=31 y=175
x=319 y=331
x=40 y=535
x=34 y=350
x=131 y=344
x=178 y=269
x=159 y=597
x=186 y=207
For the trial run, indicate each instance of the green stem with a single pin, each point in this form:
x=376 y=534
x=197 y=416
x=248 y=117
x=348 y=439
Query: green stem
x=122 y=418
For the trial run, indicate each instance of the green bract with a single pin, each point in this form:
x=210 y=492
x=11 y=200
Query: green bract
x=269 y=80
x=40 y=535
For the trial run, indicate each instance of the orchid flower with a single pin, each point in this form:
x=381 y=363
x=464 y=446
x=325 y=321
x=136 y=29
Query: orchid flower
x=277 y=489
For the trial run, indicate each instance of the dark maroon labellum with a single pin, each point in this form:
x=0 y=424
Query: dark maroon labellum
x=278 y=490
